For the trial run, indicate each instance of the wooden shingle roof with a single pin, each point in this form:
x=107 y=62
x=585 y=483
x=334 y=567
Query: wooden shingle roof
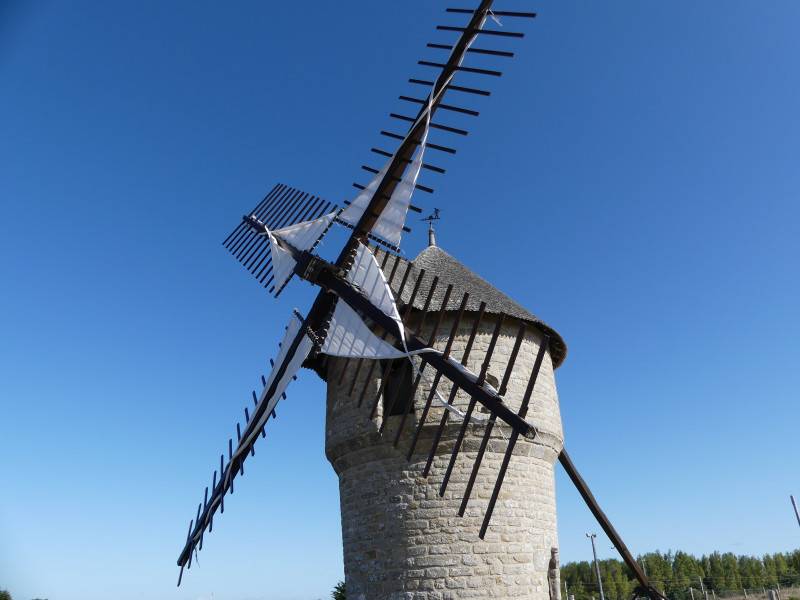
x=438 y=263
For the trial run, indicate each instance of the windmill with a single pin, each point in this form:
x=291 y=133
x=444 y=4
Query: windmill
x=391 y=326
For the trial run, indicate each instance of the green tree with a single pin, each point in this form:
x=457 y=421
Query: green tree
x=618 y=581
x=781 y=567
x=771 y=571
x=794 y=562
x=4 y=595
x=733 y=580
x=752 y=572
x=683 y=566
x=706 y=564
x=659 y=570
x=338 y=592
x=609 y=585
x=675 y=574
x=687 y=573
x=715 y=577
x=580 y=579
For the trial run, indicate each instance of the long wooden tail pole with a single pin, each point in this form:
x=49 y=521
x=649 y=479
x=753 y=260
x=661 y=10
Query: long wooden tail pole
x=608 y=528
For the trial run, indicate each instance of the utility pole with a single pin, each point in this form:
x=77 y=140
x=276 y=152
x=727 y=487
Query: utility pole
x=796 y=514
x=591 y=536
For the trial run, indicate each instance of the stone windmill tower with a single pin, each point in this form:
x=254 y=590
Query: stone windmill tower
x=442 y=414
x=400 y=536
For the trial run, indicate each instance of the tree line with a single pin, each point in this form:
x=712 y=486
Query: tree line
x=674 y=574
x=5 y=595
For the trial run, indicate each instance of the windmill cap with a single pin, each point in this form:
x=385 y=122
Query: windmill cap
x=438 y=263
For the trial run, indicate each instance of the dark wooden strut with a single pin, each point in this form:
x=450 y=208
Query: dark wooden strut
x=487 y=433
x=431 y=340
x=497 y=13
x=386 y=334
x=455 y=88
x=607 y=527
x=241 y=248
x=475 y=50
x=389 y=364
x=407 y=363
x=454 y=390
x=468 y=415
x=438 y=376
x=272 y=218
x=433 y=126
x=523 y=411
x=265 y=202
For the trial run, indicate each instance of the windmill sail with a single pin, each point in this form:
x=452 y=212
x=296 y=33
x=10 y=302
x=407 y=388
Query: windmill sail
x=289 y=360
x=347 y=335
x=277 y=382
x=279 y=212
x=366 y=275
x=282 y=262
x=391 y=222
x=302 y=236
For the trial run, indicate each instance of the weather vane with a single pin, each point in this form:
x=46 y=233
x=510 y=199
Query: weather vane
x=430 y=219
x=434 y=217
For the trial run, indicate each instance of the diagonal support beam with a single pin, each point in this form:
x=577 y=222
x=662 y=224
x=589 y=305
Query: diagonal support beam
x=607 y=527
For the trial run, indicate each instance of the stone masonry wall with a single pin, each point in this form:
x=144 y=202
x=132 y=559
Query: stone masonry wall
x=401 y=539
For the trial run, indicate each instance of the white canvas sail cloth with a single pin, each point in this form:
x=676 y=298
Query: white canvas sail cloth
x=367 y=276
x=282 y=262
x=349 y=336
x=303 y=236
x=389 y=225
x=271 y=401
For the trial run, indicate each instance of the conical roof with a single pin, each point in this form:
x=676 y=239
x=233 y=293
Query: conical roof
x=438 y=263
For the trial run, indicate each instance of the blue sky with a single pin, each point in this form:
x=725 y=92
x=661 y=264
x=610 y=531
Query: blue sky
x=633 y=180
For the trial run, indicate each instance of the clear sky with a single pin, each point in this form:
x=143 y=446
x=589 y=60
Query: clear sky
x=633 y=180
